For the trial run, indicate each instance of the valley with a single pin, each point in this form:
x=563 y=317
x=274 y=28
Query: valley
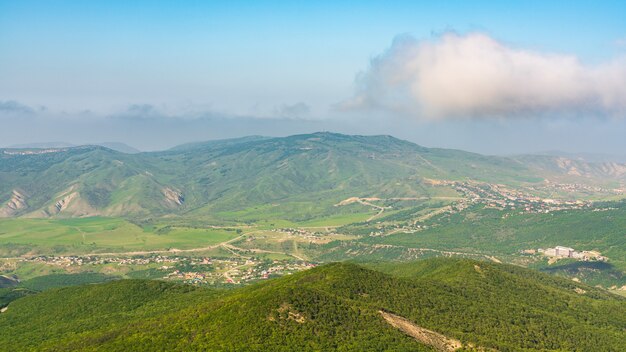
x=312 y=176
x=398 y=207
x=256 y=212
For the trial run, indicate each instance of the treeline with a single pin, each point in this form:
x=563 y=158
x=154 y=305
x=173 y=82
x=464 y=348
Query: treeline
x=333 y=307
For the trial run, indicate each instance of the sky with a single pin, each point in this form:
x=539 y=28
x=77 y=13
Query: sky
x=502 y=77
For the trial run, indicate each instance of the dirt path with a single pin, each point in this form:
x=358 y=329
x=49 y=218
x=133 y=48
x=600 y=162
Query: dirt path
x=426 y=198
x=226 y=245
x=381 y=209
x=431 y=214
x=377 y=207
x=81 y=232
x=327 y=228
x=449 y=253
x=422 y=218
x=435 y=167
x=231 y=250
x=228 y=278
x=428 y=337
x=494 y=259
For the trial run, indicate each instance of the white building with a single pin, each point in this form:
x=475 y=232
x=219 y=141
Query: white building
x=564 y=252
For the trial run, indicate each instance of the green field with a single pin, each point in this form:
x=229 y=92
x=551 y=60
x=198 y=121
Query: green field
x=80 y=236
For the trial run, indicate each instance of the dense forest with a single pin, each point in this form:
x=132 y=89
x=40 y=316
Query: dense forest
x=332 y=307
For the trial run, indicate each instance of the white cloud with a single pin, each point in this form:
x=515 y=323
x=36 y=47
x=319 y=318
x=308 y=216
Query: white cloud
x=474 y=75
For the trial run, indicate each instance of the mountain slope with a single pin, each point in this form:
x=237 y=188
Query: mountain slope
x=84 y=181
x=333 y=307
x=205 y=179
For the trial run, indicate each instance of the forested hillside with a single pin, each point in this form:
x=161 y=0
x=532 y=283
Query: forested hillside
x=468 y=304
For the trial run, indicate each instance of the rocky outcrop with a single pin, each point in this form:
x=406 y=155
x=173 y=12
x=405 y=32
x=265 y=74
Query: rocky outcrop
x=15 y=205
x=425 y=336
x=69 y=204
x=173 y=197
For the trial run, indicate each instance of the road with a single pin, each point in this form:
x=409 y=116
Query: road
x=381 y=209
x=169 y=251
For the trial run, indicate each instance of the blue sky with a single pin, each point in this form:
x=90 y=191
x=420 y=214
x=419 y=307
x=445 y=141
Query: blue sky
x=259 y=59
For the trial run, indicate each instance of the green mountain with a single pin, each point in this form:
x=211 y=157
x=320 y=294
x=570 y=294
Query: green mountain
x=431 y=305
x=205 y=179
x=117 y=146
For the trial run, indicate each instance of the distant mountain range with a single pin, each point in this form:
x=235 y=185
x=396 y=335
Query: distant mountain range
x=590 y=157
x=117 y=146
x=205 y=179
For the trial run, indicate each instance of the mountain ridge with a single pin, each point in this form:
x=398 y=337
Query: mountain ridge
x=210 y=177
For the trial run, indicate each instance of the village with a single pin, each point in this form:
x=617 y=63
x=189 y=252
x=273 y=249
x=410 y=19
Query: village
x=491 y=196
x=561 y=252
x=503 y=198
x=191 y=270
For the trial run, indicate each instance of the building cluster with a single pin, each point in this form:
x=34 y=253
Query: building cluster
x=583 y=188
x=238 y=271
x=311 y=235
x=504 y=198
x=191 y=277
x=501 y=197
x=567 y=252
x=96 y=260
x=276 y=268
x=32 y=151
x=192 y=270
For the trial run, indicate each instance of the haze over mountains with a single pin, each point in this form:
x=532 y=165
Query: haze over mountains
x=201 y=178
x=117 y=146
x=163 y=186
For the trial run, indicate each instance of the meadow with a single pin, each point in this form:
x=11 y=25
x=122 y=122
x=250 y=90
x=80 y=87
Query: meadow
x=96 y=234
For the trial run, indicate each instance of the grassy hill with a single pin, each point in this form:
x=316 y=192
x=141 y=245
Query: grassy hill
x=333 y=307
x=209 y=180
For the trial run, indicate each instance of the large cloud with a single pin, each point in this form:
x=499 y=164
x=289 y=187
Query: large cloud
x=474 y=75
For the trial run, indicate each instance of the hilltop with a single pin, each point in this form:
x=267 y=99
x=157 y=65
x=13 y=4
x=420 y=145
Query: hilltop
x=422 y=306
x=117 y=146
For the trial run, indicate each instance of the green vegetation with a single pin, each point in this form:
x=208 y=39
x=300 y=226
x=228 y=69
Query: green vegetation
x=591 y=273
x=493 y=232
x=46 y=282
x=333 y=307
x=97 y=234
x=8 y=295
x=6 y=281
x=235 y=212
x=297 y=178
